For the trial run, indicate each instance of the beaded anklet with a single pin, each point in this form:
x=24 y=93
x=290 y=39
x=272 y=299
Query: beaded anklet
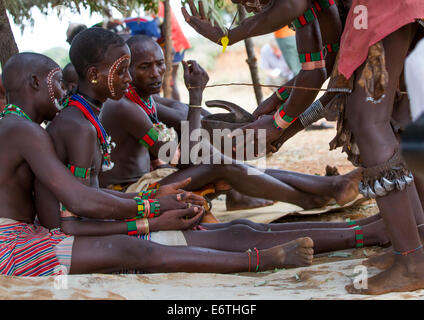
x=359 y=235
x=320 y=5
x=281 y=119
x=83 y=173
x=405 y=253
x=149 y=138
x=305 y=18
x=248 y=251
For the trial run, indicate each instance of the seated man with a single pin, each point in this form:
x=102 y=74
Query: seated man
x=70 y=78
x=32 y=83
x=134 y=116
x=75 y=138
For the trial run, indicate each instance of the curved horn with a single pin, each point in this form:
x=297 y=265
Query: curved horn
x=241 y=114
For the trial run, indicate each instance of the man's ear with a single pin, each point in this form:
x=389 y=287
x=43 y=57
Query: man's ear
x=92 y=75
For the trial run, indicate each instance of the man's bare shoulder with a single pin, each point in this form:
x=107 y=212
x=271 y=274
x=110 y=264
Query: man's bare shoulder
x=120 y=109
x=71 y=122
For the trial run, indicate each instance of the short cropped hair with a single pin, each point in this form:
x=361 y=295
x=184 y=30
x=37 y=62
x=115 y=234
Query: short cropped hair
x=90 y=46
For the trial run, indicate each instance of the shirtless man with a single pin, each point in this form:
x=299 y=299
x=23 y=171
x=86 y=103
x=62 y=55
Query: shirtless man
x=326 y=236
x=125 y=120
x=367 y=121
x=70 y=78
x=32 y=84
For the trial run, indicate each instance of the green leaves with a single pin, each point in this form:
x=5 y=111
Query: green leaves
x=20 y=10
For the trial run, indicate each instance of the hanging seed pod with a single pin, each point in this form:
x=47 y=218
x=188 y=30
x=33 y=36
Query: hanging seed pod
x=409 y=178
x=363 y=190
x=379 y=189
x=387 y=184
x=400 y=184
x=371 y=193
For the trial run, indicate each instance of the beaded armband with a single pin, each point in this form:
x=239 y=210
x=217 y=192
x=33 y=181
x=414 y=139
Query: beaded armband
x=322 y=4
x=282 y=94
x=333 y=47
x=66 y=215
x=305 y=18
x=281 y=119
x=312 y=60
x=149 y=194
x=83 y=173
x=149 y=138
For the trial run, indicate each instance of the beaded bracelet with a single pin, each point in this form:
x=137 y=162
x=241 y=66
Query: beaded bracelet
x=131 y=227
x=281 y=119
x=141 y=207
x=149 y=194
x=405 y=253
x=154 y=208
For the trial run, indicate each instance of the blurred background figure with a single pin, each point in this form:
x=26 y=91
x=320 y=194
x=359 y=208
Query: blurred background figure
x=180 y=45
x=69 y=78
x=286 y=40
x=2 y=95
x=73 y=30
x=274 y=65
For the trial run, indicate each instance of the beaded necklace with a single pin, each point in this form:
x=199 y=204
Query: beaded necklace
x=104 y=139
x=12 y=109
x=148 y=107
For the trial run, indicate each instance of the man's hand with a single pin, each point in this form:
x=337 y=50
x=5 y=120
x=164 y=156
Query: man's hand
x=198 y=20
x=172 y=188
x=181 y=219
x=261 y=144
x=180 y=201
x=195 y=77
x=267 y=106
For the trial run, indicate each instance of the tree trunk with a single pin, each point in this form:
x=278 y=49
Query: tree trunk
x=167 y=90
x=8 y=45
x=251 y=60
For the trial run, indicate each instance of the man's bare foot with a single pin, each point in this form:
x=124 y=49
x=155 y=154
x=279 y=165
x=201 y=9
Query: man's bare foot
x=238 y=201
x=312 y=201
x=347 y=186
x=386 y=259
x=406 y=274
x=296 y=253
x=381 y=261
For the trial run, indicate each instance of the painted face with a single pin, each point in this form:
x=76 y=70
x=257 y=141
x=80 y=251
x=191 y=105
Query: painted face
x=148 y=68
x=55 y=91
x=113 y=78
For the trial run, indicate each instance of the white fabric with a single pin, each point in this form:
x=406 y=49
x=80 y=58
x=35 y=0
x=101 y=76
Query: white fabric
x=273 y=65
x=169 y=238
x=414 y=76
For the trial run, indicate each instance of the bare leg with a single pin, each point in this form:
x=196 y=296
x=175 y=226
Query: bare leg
x=114 y=253
x=237 y=201
x=376 y=141
x=242 y=237
x=343 y=188
x=254 y=185
x=291 y=225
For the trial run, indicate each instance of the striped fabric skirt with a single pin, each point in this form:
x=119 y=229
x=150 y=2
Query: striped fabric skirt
x=30 y=250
